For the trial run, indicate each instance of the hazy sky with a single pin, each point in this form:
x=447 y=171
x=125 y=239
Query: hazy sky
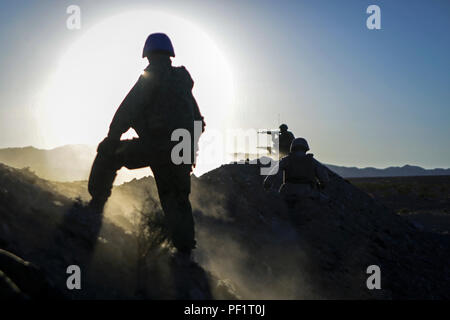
x=361 y=97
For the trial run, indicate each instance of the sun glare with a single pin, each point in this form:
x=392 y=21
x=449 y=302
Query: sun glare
x=96 y=72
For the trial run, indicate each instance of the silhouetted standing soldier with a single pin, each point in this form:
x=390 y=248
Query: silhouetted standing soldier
x=284 y=140
x=160 y=102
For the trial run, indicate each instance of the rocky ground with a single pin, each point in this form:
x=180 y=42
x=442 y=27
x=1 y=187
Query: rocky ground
x=249 y=246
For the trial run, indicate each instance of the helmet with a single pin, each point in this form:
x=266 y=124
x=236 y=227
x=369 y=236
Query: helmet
x=158 y=42
x=299 y=144
x=283 y=127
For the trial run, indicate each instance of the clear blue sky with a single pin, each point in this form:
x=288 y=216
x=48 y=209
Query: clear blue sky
x=361 y=97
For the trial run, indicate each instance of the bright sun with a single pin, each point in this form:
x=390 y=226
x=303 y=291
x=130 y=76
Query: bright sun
x=94 y=75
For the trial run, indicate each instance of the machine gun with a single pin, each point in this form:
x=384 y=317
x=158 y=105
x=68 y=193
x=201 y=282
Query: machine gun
x=269 y=131
x=274 y=133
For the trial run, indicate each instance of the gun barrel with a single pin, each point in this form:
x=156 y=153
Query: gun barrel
x=268 y=131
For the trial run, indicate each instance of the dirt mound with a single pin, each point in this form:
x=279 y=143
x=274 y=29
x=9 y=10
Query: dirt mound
x=322 y=251
x=55 y=232
x=21 y=279
x=249 y=246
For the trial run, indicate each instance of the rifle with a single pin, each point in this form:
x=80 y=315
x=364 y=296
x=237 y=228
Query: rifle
x=269 y=131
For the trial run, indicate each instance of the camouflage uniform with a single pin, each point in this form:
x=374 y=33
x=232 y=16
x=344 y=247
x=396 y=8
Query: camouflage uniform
x=301 y=172
x=160 y=102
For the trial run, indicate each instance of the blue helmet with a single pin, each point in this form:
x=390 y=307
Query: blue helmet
x=158 y=42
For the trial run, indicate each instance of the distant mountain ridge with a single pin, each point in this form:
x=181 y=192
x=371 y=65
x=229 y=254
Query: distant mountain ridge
x=73 y=162
x=369 y=172
x=65 y=163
